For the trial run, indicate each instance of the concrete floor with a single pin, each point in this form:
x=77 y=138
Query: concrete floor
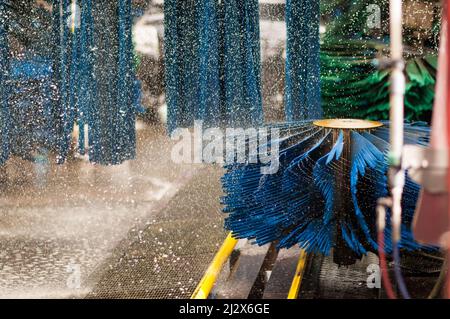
x=62 y=228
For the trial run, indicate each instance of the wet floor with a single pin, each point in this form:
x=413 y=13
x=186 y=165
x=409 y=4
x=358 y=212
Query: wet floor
x=168 y=257
x=61 y=225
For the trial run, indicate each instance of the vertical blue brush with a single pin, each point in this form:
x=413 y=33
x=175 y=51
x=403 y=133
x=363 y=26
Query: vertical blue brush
x=302 y=95
x=4 y=89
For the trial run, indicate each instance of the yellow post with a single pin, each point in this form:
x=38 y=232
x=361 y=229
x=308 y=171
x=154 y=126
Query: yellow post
x=209 y=279
x=297 y=281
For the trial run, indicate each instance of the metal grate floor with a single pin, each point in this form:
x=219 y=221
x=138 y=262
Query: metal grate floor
x=171 y=255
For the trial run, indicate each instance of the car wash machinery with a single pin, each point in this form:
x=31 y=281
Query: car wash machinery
x=241 y=270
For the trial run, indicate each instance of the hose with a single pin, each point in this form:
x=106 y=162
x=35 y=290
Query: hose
x=381 y=225
x=440 y=282
x=383 y=264
x=398 y=272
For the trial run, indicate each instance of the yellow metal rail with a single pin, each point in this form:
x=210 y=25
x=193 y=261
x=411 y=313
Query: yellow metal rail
x=296 y=283
x=209 y=279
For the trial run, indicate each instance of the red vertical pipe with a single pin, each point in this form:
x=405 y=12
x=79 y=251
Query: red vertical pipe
x=447 y=14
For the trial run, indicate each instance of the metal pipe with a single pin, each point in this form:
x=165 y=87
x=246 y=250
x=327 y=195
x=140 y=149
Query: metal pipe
x=396 y=174
x=396 y=171
x=297 y=281
x=209 y=279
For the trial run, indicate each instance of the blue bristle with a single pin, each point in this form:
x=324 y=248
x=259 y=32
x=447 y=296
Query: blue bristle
x=296 y=205
x=365 y=156
x=323 y=176
x=352 y=241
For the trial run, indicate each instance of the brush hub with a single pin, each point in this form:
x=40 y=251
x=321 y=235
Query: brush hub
x=353 y=124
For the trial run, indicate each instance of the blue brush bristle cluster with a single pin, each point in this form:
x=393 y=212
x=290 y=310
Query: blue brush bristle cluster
x=325 y=190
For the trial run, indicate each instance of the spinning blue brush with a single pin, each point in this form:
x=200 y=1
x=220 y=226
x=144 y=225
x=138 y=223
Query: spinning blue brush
x=323 y=197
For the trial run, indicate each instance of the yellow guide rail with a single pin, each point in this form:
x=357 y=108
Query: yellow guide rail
x=295 y=286
x=209 y=279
